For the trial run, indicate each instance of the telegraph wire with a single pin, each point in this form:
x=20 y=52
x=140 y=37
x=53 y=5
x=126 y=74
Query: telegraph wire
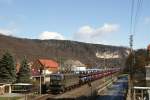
x=137 y=14
x=131 y=18
x=136 y=7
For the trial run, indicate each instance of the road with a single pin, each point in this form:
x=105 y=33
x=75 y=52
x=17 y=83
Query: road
x=117 y=91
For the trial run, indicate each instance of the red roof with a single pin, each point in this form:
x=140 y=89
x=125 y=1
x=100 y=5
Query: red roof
x=49 y=63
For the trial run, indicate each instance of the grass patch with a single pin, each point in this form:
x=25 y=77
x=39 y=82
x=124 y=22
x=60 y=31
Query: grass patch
x=10 y=98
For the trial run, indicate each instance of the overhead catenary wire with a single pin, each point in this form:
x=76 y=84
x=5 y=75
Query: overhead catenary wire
x=137 y=14
x=136 y=6
x=136 y=9
x=131 y=41
x=131 y=18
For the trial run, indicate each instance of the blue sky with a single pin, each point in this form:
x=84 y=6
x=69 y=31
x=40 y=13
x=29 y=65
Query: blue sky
x=95 y=21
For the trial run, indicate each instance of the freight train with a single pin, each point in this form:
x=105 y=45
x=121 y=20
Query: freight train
x=63 y=82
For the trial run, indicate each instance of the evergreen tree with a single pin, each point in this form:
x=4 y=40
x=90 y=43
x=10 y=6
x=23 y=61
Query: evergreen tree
x=24 y=73
x=7 y=69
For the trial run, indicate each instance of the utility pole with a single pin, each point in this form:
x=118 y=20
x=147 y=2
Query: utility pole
x=132 y=63
x=40 y=81
x=40 y=84
x=131 y=52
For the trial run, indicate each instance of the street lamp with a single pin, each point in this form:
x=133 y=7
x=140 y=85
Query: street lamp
x=40 y=80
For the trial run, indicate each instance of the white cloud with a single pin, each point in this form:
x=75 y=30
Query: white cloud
x=108 y=28
x=147 y=20
x=6 y=32
x=85 y=30
x=50 y=35
x=88 y=33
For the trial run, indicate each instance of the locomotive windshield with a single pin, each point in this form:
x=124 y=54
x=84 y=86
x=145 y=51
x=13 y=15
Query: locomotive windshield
x=56 y=77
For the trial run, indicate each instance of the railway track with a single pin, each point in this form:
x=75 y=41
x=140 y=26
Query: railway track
x=45 y=97
x=83 y=90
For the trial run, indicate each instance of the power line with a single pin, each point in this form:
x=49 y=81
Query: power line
x=131 y=41
x=132 y=13
x=136 y=7
x=133 y=23
x=137 y=14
